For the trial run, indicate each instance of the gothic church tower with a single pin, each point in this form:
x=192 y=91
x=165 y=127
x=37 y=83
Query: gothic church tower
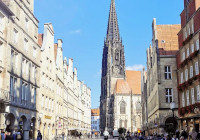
x=113 y=66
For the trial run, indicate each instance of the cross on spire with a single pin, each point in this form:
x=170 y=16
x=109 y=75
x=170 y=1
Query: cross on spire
x=113 y=29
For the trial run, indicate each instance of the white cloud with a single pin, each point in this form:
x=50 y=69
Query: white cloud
x=137 y=67
x=78 y=31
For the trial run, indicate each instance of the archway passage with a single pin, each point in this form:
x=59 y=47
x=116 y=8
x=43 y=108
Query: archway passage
x=10 y=120
x=171 y=125
x=32 y=132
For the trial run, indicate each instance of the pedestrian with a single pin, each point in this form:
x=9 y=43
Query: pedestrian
x=198 y=135
x=39 y=136
x=106 y=134
x=184 y=134
x=2 y=135
x=177 y=134
x=194 y=134
x=8 y=136
x=174 y=137
x=63 y=135
x=14 y=136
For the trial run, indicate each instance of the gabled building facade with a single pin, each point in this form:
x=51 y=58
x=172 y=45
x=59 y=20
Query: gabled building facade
x=188 y=66
x=162 y=78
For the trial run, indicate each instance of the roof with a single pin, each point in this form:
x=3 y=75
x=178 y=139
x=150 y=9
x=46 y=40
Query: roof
x=95 y=112
x=134 y=80
x=167 y=36
x=55 y=50
x=122 y=86
x=132 y=83
x=40 y=39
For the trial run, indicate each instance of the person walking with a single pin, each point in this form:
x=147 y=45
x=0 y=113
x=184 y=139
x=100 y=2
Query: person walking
x=39 y=136
x=14 y=136
x=8 y=136
x=2 y=135
x=194 y=134
x=63 y=135
x=106 y=134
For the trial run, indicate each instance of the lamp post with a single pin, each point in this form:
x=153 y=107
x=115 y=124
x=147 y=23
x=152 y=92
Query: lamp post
x=172 y=107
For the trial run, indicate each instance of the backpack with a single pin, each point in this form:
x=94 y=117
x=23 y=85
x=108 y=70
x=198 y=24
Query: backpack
x=19 y=137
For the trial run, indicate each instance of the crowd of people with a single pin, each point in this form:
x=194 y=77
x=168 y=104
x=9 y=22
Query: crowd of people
x=16 y=135
x=183 y=135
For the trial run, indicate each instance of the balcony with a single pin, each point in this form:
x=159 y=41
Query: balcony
x=1 y=66
x=4 y=96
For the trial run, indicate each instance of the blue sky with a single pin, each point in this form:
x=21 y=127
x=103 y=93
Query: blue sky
x=82 y=24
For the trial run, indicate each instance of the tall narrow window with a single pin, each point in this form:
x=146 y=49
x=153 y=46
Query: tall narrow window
x=15 y=36
x=1 y=22
x=188 y=98
x=169 y=95
x=183 y=56
x=191 y=71
x=33 y=71
x=181 y=77
x=183 y=100
x=52 y=105
x=197 y=44
x=186 y=74
x=192 y=95
x=42 y=103
x=34 y=52
x=168 y=74
x=27 y=67
x=188 y=52
x=123 y=108
x=196 y=68
x=192 y=27
x=198 y=93
x=25 y=44
x=26 y=23
x=192 y=48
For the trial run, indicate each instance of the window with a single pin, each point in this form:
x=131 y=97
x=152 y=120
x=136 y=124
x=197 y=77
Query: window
x=197 y=44
x=13 y=88
x=181 y=77
x=196 y=68
x=192 y=27
x=191 y=71
x=198 y=93
x=185 y=34
x=186 y=74
x=52 y=105
x=169 y=95
x=33 y=95
x=26 y=23
x=14 y=59
x=46 y=102
x=183 y=56
x=192 y=95
x=25 y=44
x=183 y=100
x=192 y=48
x=33 y=71
x=187 y=96
x=24 y=91
x=15 y=36
x=27 y=67
x=168 y=74
x=1 y=22
x=188 y=52
x=189 y=31
x=123 y=108
x=34 y=52
x=42 y=103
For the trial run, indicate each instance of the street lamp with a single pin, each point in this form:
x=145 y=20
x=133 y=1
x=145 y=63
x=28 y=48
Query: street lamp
x=172 y=107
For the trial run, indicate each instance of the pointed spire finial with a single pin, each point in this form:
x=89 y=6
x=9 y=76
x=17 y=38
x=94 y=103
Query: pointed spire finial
x=113 y=29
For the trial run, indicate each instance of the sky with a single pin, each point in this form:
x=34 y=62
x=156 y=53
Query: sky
x=82 y=25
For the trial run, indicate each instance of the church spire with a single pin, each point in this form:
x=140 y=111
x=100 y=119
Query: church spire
x=113 y=29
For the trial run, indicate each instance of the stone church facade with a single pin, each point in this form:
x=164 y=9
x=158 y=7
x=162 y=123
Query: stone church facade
x=120 y=101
